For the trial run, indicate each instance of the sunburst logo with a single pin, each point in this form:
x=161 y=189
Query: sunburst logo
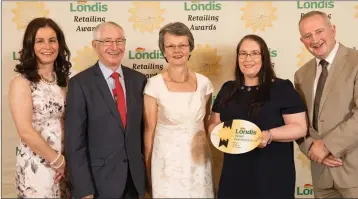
x=356 y=15
x=84 y=59
x=205 y=60
x=225 y=133
x=305 y=162
x=258 y=15
x=26 y=11
x=146 y=16
x=303 y=57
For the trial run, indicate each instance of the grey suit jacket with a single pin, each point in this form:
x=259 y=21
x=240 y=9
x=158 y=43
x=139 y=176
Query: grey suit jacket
x=337 y=119
x=98 y=148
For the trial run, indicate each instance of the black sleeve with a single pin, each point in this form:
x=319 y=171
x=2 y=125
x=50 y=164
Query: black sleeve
x=224 y=92
x=75 y=141
x=289 y=100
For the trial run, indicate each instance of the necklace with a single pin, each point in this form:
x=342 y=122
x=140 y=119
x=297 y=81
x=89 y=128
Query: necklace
x=186 y=77
x=49 y=82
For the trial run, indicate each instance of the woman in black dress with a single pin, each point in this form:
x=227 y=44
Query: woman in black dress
x=267 y=172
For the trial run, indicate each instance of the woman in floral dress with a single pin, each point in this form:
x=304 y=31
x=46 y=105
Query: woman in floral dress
x=37 y=102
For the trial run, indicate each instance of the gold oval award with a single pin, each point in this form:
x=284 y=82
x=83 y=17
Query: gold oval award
x=236 y=136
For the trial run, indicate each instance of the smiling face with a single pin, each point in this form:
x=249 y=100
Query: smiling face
x=177 y=49
x=46 y=46
x=110 y=45
x=249 y=58
x=318 y=35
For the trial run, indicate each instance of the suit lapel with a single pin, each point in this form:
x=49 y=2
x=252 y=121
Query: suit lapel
x=308 y=88
x=129 y=95
x=105 y=92
x=337 y=65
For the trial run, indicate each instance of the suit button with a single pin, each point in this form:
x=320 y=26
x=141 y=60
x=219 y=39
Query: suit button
x=125 y=160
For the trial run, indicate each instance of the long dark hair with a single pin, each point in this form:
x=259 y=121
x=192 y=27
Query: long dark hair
x=28 y=60
x=266 y=75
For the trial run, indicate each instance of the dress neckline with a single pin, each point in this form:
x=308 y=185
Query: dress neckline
x=166 y=88
x=249 y=88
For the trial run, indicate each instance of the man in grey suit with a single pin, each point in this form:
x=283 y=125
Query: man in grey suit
x=329 y=85
x=103 y=124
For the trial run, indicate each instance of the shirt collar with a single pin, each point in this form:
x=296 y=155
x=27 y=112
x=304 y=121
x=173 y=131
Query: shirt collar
x=331 y=55
x=108 y=72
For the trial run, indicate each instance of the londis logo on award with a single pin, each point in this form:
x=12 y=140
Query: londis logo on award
x=306 y=190
x=258 y=15
x=315 y=4
x=83 y=6
x=247 y=132
x=140 y=53
x=204 y=6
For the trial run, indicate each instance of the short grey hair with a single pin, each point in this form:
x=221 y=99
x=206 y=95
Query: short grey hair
x=314 y=13
x=96 y=30
x=176 y=28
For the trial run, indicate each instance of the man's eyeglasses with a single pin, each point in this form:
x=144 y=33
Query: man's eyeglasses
x=173 y=47
x=253 y=55
x=110 y=42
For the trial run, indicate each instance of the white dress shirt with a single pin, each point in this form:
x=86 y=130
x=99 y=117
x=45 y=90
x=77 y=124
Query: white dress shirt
x=329 y=59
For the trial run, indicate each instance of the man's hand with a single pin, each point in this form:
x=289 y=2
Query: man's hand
x=89 y=196
x=332 y=161
x=318 y=151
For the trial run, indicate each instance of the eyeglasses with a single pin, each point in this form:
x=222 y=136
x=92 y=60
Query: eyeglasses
x=253 y=55
x=110 y=42
x=173 y=47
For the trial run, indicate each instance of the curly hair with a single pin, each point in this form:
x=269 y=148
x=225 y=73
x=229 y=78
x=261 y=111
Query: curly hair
x=28 y=61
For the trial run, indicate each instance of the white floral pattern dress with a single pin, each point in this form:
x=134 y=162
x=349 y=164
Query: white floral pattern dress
x=34 y=176
x=181 y=157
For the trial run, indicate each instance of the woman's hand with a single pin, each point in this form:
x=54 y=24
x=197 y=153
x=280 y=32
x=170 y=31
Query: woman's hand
x=60 y=165
x=265 y=139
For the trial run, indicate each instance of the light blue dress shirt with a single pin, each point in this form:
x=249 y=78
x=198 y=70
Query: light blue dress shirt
x=110 y=81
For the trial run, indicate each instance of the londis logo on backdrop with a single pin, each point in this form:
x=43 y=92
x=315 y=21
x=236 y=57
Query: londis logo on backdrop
x=305 y=162
x=140 y=53
x=306 y=190
x=258 y=15
x=205 y=60
x=26 y=11
x=303 y=57
x=84 y=6
x=204 y=6
x=315 y=4
x=273 y=53
x=15 y=56
x=146 y=16
x=152 y=67
x=356 y=15
x=84 y=58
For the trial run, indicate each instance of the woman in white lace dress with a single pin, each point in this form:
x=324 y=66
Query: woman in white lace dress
x=37 y=103
x=177 y=152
